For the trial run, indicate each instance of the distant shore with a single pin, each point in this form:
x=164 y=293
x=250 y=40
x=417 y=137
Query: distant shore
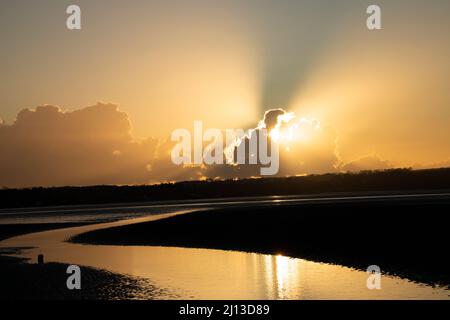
x=408 y=238
x=391 y=180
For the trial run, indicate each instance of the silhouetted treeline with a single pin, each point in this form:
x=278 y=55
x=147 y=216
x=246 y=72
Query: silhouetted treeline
x=366 y=181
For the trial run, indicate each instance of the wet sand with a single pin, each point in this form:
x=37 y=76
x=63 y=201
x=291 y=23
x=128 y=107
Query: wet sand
x=31 y=281
x=406 y=237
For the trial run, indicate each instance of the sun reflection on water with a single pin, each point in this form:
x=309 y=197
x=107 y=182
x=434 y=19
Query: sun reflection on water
x=189 y=273
x=283 y=273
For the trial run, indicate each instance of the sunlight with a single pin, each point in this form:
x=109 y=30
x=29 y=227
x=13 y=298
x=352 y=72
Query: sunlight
x=290 y=129
x=283 y=273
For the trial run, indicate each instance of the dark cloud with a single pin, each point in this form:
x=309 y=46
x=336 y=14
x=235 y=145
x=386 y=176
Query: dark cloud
x=271 y=117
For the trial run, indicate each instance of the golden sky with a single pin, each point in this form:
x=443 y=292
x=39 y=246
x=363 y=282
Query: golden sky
x=384 y=94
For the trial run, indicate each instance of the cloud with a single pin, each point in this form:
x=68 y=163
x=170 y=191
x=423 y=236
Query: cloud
x=50 y=147
x=47 y=146
x=163 y=169
x=440 y=164
x=305 y=147
x=371 y=162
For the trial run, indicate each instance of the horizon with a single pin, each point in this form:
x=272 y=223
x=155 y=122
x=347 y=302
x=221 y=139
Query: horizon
x=209 y=180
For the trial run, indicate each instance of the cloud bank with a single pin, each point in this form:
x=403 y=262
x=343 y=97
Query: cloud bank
x=47 y=146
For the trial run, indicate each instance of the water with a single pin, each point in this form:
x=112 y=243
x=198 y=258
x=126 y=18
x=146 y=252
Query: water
x=216 y=274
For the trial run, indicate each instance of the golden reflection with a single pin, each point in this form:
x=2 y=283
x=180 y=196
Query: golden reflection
x=216 y=274
x=282 y=274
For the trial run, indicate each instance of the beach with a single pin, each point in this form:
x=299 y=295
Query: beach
x=286 y=247
x=32 y=281
x=404 y=237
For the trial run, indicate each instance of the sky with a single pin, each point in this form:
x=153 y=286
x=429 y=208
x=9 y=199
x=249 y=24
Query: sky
x=382 y=97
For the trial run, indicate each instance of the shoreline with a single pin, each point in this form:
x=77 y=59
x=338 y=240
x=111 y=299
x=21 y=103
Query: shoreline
x=388 y=234
x=25 y=280
x=31 y=281
x=9 y=230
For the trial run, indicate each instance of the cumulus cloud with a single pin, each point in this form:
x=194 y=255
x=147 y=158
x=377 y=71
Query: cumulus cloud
x=370 y=162
x=305 y=147
x=47 y=146
x=94 y=145
x=163 y=169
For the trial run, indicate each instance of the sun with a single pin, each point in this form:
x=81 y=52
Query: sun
x=290 y=129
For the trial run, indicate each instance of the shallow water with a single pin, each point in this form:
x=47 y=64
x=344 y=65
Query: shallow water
x=217 y=274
